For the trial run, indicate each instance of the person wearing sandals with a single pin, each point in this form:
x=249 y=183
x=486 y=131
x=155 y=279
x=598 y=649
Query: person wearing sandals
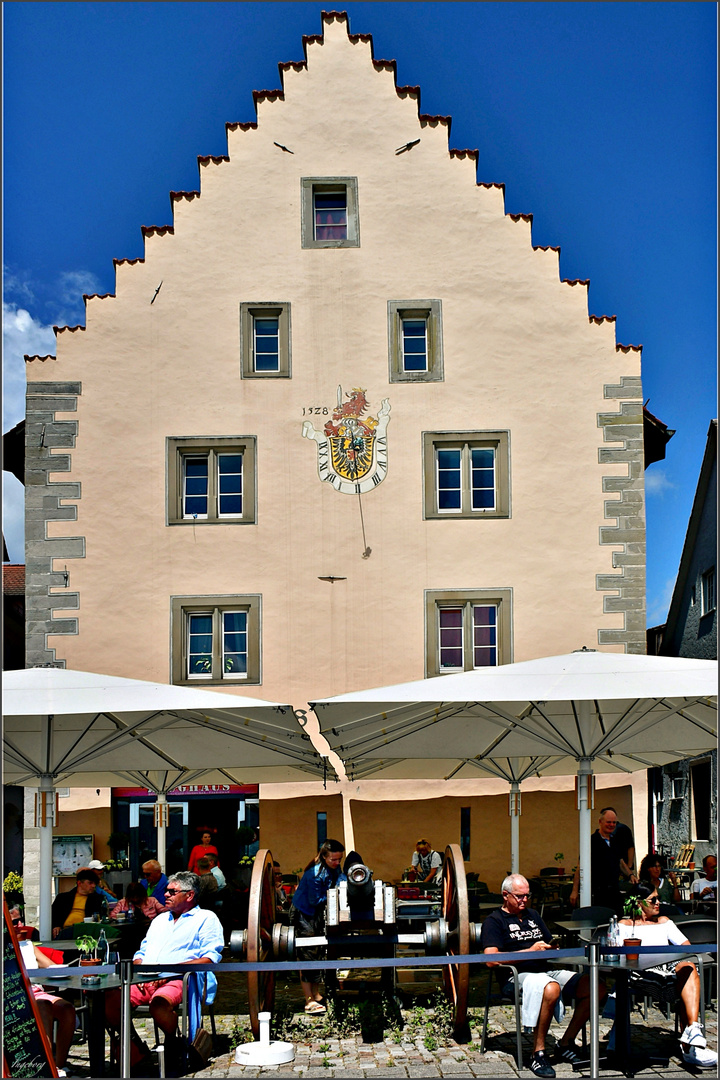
x=308 y=913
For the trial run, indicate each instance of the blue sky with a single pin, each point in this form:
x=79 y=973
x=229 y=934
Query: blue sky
x=600 y=119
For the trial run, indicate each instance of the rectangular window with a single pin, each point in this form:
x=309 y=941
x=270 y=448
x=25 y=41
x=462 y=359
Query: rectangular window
x=709 y=594
x=467 y=630
x=465 y=832
x=414 y=344
x=466 y=474
x=701 y=781
x=415 y=340
x=265 y=340
x=211 y=481
x=215 y=639
x=453 y=626
x=321 y=828
x=329 y=212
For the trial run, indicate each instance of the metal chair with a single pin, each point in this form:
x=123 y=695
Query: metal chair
x=595 y=912
x=502 y=998
x=144 y=1011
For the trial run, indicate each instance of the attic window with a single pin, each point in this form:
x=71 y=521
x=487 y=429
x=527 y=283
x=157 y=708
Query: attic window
x=329 y=212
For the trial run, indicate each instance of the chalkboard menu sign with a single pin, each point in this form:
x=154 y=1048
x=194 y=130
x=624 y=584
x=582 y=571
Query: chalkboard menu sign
x=26 y=1049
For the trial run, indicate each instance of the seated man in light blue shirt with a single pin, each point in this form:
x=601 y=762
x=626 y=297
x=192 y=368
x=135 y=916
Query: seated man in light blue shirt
x=215 y=870
x=184 y=934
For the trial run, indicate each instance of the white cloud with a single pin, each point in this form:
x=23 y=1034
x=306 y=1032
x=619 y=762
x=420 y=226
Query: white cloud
x=22 y=334
x=657 y=482
x=658 y=605
x=72 y=285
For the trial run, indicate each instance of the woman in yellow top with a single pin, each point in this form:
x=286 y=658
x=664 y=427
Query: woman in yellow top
x=70 y=908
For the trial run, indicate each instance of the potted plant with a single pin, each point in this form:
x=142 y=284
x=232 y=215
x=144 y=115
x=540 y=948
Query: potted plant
x=86 y=946
x=558 y=859
x=632 y=910
x=118 y=843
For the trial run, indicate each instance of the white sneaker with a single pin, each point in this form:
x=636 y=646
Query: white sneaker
x=699 y=1057
x=693 y=1035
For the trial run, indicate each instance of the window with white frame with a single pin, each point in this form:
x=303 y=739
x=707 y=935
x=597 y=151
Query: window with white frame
x=467 y=630
x=265 y=340
x=709 y=592
x=329 y=212
x=415 y=340
x=466 y=474
x=211 y=481
x=215 y=639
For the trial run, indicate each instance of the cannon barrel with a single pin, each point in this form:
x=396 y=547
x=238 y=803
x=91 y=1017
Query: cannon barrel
x=360 y=885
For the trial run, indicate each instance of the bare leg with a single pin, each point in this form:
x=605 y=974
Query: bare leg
x=689 y=986
x=164 y=1015
x=64 y=1013
x=581 y=1014
x=311 y=991
x=549 y=1000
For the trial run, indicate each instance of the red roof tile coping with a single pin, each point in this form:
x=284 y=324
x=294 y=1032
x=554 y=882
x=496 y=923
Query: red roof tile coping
x=329 y=16
x=268 y=95
x=428 y=118
x=292 y=65
x=71 y=329
x=243 y=127
x=97 y=296
x=312 y=39
x=408 y=91
x=357 y=38
x=575 y=281
x=189 y=195
x=481 y=184
x=541 y=247
x=29 y=359
x=601 y=318
x=13 y=579
x=205 y=159
x=521 y=217
x=385 y=65
x=130 y=262
x=454 y=152
x=628 y=348
x=157 y=230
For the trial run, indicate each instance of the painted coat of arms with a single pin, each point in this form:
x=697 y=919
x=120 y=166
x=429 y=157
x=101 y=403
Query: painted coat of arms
x=352 y=448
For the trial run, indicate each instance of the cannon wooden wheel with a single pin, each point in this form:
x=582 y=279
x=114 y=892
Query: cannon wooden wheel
x=456 y=913
x=261 y=919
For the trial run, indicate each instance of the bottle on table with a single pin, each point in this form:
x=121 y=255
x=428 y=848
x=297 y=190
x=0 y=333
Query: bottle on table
x=102 y=949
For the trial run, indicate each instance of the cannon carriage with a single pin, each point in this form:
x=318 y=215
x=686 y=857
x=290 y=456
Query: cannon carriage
x=361 y=921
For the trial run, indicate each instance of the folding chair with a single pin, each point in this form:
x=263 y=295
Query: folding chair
x=501 y=998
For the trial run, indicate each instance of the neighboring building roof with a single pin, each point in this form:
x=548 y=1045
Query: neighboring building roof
x=656 y=436
x=13 y=579
x=702 y=523
x=14 y=451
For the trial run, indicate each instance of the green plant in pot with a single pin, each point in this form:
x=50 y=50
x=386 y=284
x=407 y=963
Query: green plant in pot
x=632 y=910
x=86 y=946
x=558 y=859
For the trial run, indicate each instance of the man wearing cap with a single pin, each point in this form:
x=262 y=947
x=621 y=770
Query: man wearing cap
x=426 y=863
x=70 y=908
x=102 y=887
x=153 y=879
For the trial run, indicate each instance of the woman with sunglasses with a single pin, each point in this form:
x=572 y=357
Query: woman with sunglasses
x=653 y=875
x=656 y=929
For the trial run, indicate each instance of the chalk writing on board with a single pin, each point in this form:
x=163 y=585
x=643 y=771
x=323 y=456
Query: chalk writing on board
x=26 y=1051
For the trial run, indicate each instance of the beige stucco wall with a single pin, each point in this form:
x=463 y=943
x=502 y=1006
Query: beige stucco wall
x=520 y=354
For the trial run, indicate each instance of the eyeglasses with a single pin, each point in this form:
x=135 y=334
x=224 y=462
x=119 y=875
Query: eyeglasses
x=652 y=900
x=520 y=895
x=172 y=892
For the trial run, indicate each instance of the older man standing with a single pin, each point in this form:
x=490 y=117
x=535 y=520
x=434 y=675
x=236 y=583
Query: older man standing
x=516 y=928
x=154 y=880
x=607 y=862
x=184 y=934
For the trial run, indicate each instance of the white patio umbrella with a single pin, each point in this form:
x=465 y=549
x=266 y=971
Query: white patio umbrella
x=580 y=713
x=83 y=729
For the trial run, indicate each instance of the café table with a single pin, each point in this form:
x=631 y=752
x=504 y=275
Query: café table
x=52 y=979
x=627 y=1061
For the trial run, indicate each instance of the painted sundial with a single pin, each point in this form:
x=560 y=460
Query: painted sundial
x=352 y=447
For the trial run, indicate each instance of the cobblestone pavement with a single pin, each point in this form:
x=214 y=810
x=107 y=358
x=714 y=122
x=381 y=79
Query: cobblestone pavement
x=400 y=1054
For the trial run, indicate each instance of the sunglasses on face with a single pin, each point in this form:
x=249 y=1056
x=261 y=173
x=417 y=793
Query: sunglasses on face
x=652 y=900
x=171 y=892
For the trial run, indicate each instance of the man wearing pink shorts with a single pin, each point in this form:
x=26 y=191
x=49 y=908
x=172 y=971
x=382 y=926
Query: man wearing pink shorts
x=184 y=934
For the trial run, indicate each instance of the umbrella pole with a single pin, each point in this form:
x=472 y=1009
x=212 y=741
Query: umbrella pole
x=45 y=815
x=161 y=820
x=514 y=800
x=585 y=802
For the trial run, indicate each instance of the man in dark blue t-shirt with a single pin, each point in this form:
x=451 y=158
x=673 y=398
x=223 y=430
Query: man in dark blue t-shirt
x=516 y=928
